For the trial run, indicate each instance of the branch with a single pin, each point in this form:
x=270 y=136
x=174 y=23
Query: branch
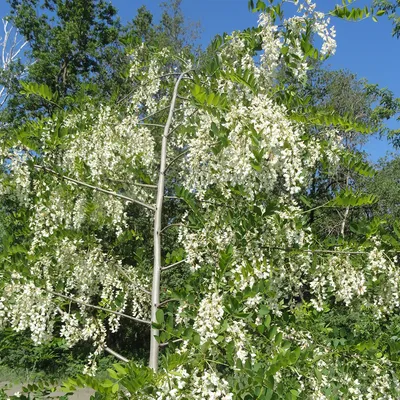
x=169 y=226
x=175 y=159
x=346 y=213
x=172 y=265
x=145 y=185
x=322 y=251
x=173 y=341
x=98 y=307
x=115 y=354
x=121 y=196
x=154 y=113
x=133 y=283
x=157 y=125
x=163 y=303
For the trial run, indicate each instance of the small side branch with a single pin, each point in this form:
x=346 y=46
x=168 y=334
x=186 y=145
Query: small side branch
x=175 y=159
x=63 y=296
x=317 y=251
x=172 y=265
x=163 y=303
x=96 y=188
x=173 y=341
x=156 y=125
x=170 y=226
x=145 y=185
x=116 y=355
x=153 y=114
x=142 y=289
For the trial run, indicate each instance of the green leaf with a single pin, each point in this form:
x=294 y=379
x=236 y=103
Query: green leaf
x=107 y=383
x=120 y=369
x=113 y=374
x=349 y=198
x=115 y=388
x=294 y=355
x=160 y=316
x=264 y=310
x=278 y=339
x=318 y=374
x=272 y=332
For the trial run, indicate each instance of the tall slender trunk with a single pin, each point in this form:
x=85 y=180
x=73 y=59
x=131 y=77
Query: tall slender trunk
x=155 y=293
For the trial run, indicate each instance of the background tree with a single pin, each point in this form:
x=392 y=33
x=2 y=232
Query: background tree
x=390 y=7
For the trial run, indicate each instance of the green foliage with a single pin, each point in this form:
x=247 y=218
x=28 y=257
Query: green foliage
x=389 y=8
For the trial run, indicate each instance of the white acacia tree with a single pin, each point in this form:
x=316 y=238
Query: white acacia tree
x=233 y=149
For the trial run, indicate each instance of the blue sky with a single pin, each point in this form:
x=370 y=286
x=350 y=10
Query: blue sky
x=365 y=48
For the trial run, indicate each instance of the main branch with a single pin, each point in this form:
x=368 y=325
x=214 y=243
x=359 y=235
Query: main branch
x=96 y=188
x=63 y=296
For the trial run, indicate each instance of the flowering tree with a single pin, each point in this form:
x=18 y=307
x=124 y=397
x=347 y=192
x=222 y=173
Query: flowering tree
x=268 y=308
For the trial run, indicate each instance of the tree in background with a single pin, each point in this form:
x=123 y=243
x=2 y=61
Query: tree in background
x=11 y=68
x=389 y=8
x=78 y=43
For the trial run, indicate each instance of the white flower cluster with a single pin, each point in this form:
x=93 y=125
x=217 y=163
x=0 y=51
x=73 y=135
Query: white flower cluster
x=16 y=182
x=209 y=317
x=24 y=306
x=198 y=385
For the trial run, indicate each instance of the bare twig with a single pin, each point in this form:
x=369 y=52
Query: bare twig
x=163 y=303
x=170 y=226
x=172 y=265
x=145 y=185
x=320 y=251
x=175 y=159
x=115 y=354
x=154 y=113
x=96 y=188
x=157 y=125
x=173 y=341
x=346 y=213
x=134 y=283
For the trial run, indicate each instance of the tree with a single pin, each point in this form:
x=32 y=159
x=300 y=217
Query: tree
x=385 y=185
x=269 y=310
x=11 y=69
x=341 y=93
x=389 y=8
x=81 y=45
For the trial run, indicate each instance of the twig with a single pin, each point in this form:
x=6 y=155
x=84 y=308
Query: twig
x=169 y=226
x=97 y=307
x=121 y=196
x=172 y=265
x=173 y=341
x=134 y=283
x=115 y=354
x=175 y=159
x=154 y=113
x=146 y=185
x=163 y=303
x=322 y=251
x=157 y=125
